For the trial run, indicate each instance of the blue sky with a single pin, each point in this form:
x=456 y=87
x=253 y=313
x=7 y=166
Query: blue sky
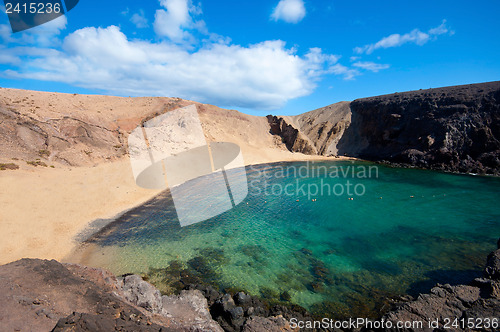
x=259 y=57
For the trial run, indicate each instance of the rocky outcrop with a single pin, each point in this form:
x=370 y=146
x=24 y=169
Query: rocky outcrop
x=325 y=126
x=453 y=129
x=492 y=270
x=294 y=140
x=242 y=312
x=63 y=139
x=467 y=303
x=47 y=295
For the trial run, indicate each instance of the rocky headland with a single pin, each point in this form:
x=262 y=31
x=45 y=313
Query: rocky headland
x=454 y=129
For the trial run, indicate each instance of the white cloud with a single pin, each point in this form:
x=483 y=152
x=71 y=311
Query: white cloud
x=415 y=36
x=6 y=56
x=348 y=73
x=44 y=35
x=440 y=30
x=5 y=33
x=290 y=11
x=139 y=20
x=264 y=75
x=371 y=66
x=174 y=22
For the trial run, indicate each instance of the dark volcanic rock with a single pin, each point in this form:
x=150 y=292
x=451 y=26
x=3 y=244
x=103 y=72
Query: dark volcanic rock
x=126 y=322
x=454 y=128
x=243 y=312
x=479 y=300
x=492 y=270
x=40 y=295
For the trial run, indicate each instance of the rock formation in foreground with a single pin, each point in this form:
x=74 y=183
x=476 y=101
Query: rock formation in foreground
x=46 y=295
x=453 y=129
x=476 y=304
x=42 y=295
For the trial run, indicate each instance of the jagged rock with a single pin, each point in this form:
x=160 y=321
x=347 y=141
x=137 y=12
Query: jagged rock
x=182 y=307
x=36 y=294
x=141 y=293
x=40 y=295
x=294 y=140
x=480 y=299
x=271 y=324
x=208 y=292
x=242 y=298
x=492 y=269
x=80 y=322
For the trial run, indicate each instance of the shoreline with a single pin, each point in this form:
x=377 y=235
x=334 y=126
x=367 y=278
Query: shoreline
x=50 y=210
x=100 y=225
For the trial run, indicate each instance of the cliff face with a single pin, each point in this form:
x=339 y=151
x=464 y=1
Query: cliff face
x=325 y=126
x=293 y=138
x=454 y=129
x=314 y=133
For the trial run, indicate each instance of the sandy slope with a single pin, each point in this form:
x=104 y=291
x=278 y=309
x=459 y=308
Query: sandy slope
x=43 y=209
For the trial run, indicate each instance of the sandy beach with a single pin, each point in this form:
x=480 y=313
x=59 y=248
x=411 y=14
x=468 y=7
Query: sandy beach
x=44 y=210
x=89 y=177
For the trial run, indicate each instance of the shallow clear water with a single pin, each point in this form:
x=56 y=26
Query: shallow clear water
x=396 y=231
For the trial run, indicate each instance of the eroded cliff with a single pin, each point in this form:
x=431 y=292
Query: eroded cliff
x=453 y=129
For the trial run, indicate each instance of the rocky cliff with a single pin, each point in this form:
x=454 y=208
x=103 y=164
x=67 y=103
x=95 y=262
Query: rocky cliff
x=475 y=306
x=454 y=129
x=42 y=295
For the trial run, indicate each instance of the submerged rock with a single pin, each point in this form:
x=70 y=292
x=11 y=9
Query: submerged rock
x=242 y=298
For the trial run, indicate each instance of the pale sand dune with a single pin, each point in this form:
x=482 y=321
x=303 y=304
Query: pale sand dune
x=42 y=210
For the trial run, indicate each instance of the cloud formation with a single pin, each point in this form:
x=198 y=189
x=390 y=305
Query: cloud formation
x=261 y=76
x=415 y=36
x=176 y=20
x=290 y=11
x=371 y=66
x=139 y=20
x=44 y=35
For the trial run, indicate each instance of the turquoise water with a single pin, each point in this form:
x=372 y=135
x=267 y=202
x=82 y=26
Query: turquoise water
x=391 y=231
